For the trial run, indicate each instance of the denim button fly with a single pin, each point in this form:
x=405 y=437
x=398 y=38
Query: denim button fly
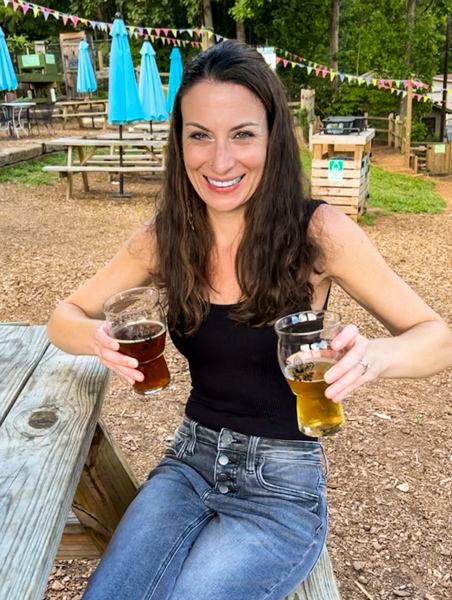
x=227 y=439
x=223 y=459
x=222 y=477
x=223 y=488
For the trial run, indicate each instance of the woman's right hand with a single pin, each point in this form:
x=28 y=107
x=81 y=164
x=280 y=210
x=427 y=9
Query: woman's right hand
x=107 y=349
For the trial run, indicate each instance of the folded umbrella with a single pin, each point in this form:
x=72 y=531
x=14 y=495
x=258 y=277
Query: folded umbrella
x=175 y=77
x=8 y=79
x=150 y=88
x=86 y=79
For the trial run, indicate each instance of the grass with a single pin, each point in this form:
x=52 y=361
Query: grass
x=31 y=172
x=393 y=192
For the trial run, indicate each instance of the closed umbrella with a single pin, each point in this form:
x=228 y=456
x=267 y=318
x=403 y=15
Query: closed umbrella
x=150 y=88
x=175 y=77
x=124 y=104
x=8 y=79
x=86 y=80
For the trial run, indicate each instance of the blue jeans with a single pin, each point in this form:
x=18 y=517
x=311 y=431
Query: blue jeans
x=225 y=516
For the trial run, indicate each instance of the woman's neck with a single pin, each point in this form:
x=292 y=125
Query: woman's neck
x=227 y=229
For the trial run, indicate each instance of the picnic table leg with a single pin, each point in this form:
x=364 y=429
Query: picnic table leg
x=70 y=176
x=106 y=488
x=65 y=113
x=81 y=158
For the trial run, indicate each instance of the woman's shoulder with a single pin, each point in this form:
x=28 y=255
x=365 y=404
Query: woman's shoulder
x=142 y=244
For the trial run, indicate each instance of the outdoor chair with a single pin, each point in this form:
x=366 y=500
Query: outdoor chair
x=41 y=114
x=4 y=126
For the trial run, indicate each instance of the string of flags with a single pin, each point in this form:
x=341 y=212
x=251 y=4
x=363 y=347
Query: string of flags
x=398 y=86
x=168 y=35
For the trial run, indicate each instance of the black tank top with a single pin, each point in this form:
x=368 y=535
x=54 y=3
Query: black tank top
x=236 y=379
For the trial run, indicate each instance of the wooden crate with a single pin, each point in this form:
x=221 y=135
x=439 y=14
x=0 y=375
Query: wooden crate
x=439 y=158
x=350 y=192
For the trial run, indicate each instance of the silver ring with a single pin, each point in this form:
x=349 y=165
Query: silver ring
x=365 y=364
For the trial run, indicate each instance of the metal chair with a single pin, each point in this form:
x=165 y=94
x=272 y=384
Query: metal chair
x=42 y=113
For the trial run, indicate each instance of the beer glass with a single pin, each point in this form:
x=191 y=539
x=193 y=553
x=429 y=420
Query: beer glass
x=138 y=324
x=304 y=355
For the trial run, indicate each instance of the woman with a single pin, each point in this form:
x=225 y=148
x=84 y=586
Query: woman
x=237 y=508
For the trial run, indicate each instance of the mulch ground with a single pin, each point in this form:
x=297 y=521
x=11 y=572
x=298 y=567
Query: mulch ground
x=390 y=482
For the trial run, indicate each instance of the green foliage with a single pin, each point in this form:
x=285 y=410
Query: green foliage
x=302 y=119
x=31 y=173
x=418 y=130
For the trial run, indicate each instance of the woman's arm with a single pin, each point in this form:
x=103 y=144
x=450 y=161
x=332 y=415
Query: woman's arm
x=77 y=324
x=422 y=342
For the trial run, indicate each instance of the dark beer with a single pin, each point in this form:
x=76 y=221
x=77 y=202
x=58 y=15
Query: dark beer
x=317 y=415
x=145 y=341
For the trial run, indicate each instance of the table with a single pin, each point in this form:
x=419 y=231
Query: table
x=54 y=452
x=77 y=109
x=13 y=115
x=150 y=159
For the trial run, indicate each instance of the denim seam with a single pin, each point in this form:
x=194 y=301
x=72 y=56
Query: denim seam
x=199 y=522
x=283 y=490
x=251 y=455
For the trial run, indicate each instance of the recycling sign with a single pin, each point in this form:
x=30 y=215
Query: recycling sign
x=335 y=170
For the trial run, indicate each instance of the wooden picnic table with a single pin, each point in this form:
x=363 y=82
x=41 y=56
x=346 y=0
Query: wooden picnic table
x=54 y=453
x=149 y=159
x=79 y=109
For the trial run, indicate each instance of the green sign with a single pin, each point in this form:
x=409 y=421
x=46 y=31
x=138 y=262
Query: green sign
x=440 y=148
x=336 y=170
x=50 y=59
x=31 y=60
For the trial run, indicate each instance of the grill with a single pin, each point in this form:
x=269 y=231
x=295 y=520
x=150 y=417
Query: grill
x=343 y=125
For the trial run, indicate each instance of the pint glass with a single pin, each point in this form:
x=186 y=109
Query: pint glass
x=304 y=355
x=138 y=324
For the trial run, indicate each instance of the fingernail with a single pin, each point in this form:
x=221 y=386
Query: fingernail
x=329 y=376
x=114 y=346
x=330 y=392
x=133 y=363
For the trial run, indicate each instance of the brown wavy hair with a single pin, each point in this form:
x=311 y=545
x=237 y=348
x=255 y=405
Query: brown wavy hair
x=275 y=257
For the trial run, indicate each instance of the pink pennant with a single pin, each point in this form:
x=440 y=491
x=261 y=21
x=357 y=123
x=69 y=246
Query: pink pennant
x=157 y=32
x=197 y=31
x=65 y=18
x=285 y=62
x=317 y=69
x=110 y=26
x=25 y=8
x=75 y=19
x=174 y=42
x=419 y=97
x=165 y=31
x=278 y=60
x=324 y=72
x=390 y=82
x=15 y=5
x=381 y=83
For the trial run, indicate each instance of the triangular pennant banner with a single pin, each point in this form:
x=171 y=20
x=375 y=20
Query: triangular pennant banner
x=74 y=19
x=25 y=8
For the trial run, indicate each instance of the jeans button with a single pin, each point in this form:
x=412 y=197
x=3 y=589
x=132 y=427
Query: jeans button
x=223 y=459
x=223 y=489
x=222 y=477
x=227 y=439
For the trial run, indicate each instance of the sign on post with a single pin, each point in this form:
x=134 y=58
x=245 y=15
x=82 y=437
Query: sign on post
x=269 y=53
x=335 y=170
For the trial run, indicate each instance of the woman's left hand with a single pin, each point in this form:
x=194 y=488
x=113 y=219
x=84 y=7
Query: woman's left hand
x=359 y=364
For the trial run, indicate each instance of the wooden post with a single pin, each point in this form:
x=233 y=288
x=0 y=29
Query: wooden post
x=390 y=126
x=366 y=117
x=100 y=59
x=409 y=112
x=397 y=132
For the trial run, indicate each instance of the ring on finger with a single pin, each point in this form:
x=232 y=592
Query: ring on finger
x=365 y=364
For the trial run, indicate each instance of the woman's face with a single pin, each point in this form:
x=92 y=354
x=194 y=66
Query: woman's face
x=224 y=141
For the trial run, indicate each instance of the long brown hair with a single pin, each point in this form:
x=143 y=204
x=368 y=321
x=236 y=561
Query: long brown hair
x=275 y=257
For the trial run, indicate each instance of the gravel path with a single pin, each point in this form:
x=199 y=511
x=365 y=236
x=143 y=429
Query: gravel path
x=390 y=484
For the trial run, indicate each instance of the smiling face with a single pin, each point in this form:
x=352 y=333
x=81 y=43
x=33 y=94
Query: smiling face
x=224 y=141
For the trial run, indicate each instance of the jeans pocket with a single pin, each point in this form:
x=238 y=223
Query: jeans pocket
x=292 y=478
x=178 y=445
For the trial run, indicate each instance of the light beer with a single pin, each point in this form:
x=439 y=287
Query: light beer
x=145 y=341
x=317 y=415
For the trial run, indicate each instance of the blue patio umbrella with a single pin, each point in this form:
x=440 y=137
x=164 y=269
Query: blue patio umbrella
x=175 y=77
x=86 y=80
x=124 y=104
x=8 y=79
x=150 y=87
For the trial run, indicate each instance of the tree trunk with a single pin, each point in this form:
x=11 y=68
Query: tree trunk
x=334 y=38
x=411 y=18
x=240 y=30
x=207 y=40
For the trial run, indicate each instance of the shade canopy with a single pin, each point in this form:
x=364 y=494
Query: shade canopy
x=8 y=79
x=175 y=77
x=86 y=79
x=150 y=89
x=124 y=104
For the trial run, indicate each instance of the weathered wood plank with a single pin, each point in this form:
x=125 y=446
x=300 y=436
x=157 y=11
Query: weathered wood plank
x=102 y=169
x=360 y=139
x=321 y=583
x=16 y=365
x=325 y=192
x=348 y=164
x=44 y=441
x=106 y=488
x=347 y=174
x=342 y=183
x=76 y=543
